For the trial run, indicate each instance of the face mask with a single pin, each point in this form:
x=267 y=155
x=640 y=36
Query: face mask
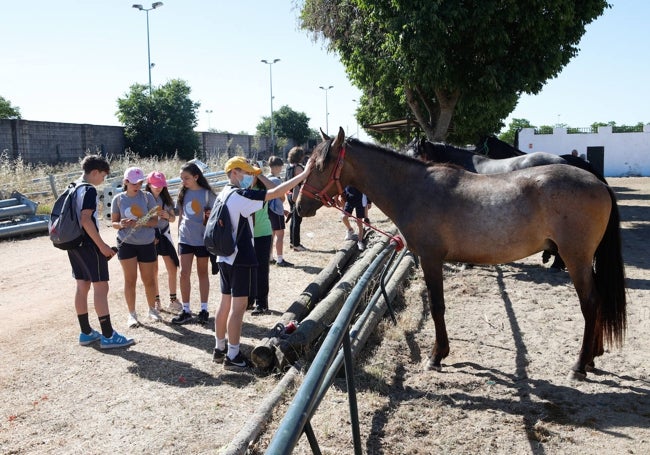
x=246 y=181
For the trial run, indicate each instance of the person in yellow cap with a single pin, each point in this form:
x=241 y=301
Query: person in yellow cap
x=237 y=270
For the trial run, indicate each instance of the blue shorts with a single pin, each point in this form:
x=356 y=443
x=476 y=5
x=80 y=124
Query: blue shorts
x=277 y=221
x=237 y=280
x=88 y=264
x=144 y=253
x=198 y=251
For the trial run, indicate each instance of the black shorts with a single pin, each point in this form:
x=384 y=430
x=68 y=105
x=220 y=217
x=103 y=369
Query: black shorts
x=277 y=221
x=359 y=208
x=144 y=253
x=88 y=264
x=198 y=251
x=237 y=280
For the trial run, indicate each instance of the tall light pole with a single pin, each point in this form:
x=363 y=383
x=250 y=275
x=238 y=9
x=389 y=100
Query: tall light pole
x=146 y=10
x=355 y=118
x=209 y=112
x=327 y=112
x=270 y=63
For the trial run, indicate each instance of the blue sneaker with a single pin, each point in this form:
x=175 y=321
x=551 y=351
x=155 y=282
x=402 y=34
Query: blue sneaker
x=116 y=341
x=85 y=340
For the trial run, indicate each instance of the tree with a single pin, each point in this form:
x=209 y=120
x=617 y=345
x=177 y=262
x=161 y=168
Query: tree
x=287 y=123
x=161 y=124
x=510 y=134
x=448 y=63
x=7 y=110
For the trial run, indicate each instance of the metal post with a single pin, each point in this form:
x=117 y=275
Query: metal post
x=270 y=63
x=327 y=112
x=146 y=10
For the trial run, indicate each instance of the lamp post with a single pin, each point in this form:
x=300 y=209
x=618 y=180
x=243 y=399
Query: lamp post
x=355 y=118
x=327 y=112
x=209 y=111
x=146 y=10
x=270 y=63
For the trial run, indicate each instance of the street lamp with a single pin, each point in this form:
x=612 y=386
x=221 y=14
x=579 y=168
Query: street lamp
x=209 y=111
x=146 y=10
x=327 y=112
x=355 y=118
x=275 y=60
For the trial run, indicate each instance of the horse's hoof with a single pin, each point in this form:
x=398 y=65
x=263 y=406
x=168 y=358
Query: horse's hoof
x=432 y=366
x=578 y=375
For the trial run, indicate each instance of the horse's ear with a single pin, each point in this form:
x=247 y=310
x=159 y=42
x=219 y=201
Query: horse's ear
x=324 y=136
x=340 y=138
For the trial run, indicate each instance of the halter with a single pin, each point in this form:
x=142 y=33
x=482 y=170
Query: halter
x=335 y=178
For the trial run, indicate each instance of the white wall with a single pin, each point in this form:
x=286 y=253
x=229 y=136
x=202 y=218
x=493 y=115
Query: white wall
x=626 y=154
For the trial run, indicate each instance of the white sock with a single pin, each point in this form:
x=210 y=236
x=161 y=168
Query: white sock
x=233 y=350
x=220 y=343
x=204 y=306
x=186 y=307
x=280 y=258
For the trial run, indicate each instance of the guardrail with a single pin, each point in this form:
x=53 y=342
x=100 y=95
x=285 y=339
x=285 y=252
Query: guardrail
x=327 y=363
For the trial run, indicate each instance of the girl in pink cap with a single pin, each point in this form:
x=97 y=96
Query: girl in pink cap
x=157 y=185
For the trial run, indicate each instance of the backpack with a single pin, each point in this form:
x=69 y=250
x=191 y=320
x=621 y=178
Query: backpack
x=64 y=226
x=218 y=238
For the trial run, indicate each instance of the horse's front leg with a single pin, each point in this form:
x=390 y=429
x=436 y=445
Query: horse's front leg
x=433 y=278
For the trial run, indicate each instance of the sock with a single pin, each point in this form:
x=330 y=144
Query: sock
x=233 y=350
x=107 y=327
x=84 y=324
x=172 y=297
x=280 y=258
x=186 y=307
x=204 y=306
x=157 y=298
x=220 y=343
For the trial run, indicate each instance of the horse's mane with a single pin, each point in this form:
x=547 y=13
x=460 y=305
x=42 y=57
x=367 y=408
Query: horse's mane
x=323 y=156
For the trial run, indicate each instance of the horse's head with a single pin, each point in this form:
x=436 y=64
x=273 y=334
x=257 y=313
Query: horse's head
x=322 y=185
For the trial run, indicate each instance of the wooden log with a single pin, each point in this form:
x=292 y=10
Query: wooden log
x=263 y=355
x=291 y=348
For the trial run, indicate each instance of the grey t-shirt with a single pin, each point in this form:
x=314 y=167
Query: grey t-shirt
x=190 y=226
x=134 y=208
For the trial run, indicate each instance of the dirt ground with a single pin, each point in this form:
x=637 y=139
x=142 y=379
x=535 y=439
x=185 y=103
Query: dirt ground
x=514 y=329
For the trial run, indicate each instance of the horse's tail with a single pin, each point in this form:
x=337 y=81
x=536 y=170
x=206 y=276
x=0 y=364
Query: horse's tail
x=609 y=274
x=582 y=164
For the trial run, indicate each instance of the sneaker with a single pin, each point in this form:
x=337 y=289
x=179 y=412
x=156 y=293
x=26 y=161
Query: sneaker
x=360 y=245
x=299 y=248
x=272 y=261
x=219 y=354
x=175 y=306
x=258 y=310
x=132 y=320
x=154 y=315
x=239 y=362
x=116 y=341
x=350 y=235
x=202 y=317
x=183 y=318
x=85 y=340
x=284 y=263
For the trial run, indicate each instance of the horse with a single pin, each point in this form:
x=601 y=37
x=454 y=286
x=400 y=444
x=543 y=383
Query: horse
x=511 y=160
x=446 y=213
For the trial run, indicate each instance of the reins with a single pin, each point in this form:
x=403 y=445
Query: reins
x=336 y=202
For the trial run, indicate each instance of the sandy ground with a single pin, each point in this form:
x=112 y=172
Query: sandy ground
x=514 y=329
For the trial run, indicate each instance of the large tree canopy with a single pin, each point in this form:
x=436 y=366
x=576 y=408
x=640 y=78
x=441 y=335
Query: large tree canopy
x=448 y=63
x=287 y=123
x=160 y=124
x=7 y=110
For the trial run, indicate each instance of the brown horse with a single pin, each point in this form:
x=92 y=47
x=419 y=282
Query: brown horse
x=448 y=214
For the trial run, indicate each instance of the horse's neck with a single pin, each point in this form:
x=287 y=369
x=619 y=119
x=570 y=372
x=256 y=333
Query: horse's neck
x=463 y=157
x=380 y=176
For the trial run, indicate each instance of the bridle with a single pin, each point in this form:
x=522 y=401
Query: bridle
x=335 y=179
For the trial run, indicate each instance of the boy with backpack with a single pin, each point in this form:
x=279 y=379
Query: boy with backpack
x=237 y=269
x=89 y=260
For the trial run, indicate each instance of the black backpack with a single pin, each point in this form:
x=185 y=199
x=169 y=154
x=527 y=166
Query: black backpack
x=218 y=237
x=64 y=226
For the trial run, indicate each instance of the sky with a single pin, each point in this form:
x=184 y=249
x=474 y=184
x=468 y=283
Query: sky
x=70 y=60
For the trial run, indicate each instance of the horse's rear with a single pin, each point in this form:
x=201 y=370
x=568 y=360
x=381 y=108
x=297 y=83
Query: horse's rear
x=497 y=219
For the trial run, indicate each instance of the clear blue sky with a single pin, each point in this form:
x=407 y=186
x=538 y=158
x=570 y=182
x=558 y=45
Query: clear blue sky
x=69 y=61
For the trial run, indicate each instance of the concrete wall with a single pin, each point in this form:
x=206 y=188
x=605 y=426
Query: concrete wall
x=52 y=142
x=626 y=154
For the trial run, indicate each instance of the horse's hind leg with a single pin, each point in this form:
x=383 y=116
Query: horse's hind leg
x=433 y=278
